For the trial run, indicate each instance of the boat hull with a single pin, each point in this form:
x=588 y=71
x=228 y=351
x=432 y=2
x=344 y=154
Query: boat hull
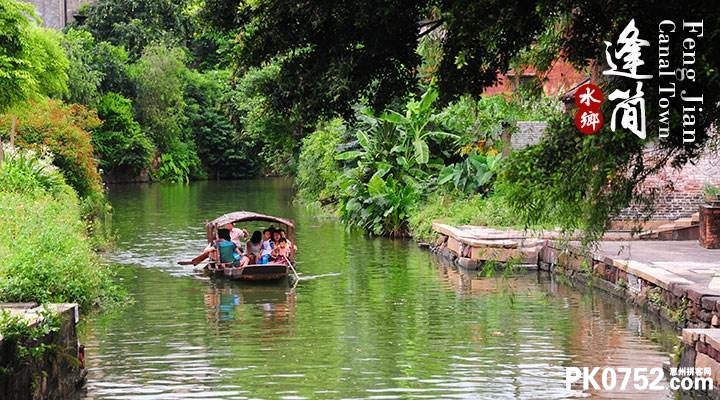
x=253 y=272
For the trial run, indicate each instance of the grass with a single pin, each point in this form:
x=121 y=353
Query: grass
x=456 y=209
x=45 y=253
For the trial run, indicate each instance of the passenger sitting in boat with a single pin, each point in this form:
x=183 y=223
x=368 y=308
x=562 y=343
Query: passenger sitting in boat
x=267 y=247
x=290 y=244
x=281 y=252
x=275 y=237
x=227 y=250
x=253 y=248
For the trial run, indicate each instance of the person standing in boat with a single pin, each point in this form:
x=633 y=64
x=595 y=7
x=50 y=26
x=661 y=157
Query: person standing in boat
x=237 y=235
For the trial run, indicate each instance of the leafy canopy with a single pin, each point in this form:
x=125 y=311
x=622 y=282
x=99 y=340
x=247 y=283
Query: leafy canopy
x=31 y=59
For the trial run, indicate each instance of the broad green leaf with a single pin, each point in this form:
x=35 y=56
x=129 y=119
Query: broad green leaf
x=436 y=134
x=382 y=169
x=428 y=99
x=393 y=117
x=349 y=155
x=363 y=139
x=446 y=175
x=376 y=186
x=422 y=152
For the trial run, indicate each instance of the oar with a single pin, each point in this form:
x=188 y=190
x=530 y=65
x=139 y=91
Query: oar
x=194 y=261
x=297 y=277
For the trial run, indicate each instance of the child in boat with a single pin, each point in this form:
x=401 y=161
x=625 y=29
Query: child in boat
x=290 y=244
x=276 y=237
x=267 y=247
x=281 y=252
x=253 y=248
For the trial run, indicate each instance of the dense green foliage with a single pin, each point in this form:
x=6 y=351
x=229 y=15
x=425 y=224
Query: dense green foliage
x=318 y=171
x=222 y=152
x=122 y=147
x=134 y=24
x=393 y=167
x=269 y=136
x=337 y=55
x=425 y=163
x=95 y=68
x=31 y=59
x=45 y=255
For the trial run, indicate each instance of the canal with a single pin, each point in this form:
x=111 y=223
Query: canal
x=371 y=318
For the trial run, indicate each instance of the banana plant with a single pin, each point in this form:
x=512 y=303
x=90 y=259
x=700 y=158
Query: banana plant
x=472 y=175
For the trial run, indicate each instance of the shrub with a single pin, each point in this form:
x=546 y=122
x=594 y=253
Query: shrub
x=318 y=171
x=394 y=168
x=26 y=173
x=122 y=147
x=179 y=163
x=45 y=255
x=64 y=131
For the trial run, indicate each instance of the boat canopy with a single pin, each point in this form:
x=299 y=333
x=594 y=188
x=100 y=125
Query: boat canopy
x=245 y=216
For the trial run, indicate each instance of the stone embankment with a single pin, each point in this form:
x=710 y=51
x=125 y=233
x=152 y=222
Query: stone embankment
x=679 y=280
x=57 y=372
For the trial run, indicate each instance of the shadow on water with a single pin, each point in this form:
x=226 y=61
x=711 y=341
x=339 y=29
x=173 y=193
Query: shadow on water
x=371 y=318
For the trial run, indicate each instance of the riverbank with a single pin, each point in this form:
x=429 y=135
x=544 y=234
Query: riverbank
x=679 y=280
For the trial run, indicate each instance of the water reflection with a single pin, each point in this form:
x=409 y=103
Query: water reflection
x=238 y=302
x=380 y=319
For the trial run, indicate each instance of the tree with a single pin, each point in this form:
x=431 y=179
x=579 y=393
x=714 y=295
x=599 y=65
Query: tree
x=95 y=68
x=135 y=24
x=31 y=59
x=159 y=77
x=332 y=55
x=124 y=151
x=222 y=154
x=269 y=135
x=84 y=80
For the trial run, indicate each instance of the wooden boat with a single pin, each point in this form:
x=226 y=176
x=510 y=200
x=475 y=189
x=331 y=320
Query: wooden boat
x=251 y=272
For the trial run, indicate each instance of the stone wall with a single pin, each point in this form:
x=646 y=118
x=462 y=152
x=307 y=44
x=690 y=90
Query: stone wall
x=58 y=374
x=700 y=351
x=678 y=300
x=529 y=133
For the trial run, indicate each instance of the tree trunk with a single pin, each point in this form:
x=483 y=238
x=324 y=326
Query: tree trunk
x=13 y=125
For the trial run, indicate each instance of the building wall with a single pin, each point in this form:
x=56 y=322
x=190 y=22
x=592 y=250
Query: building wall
x=560 y=78
x=681 y=190
x=57 y=13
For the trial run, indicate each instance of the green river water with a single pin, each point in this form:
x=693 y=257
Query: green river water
x=370 y=318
